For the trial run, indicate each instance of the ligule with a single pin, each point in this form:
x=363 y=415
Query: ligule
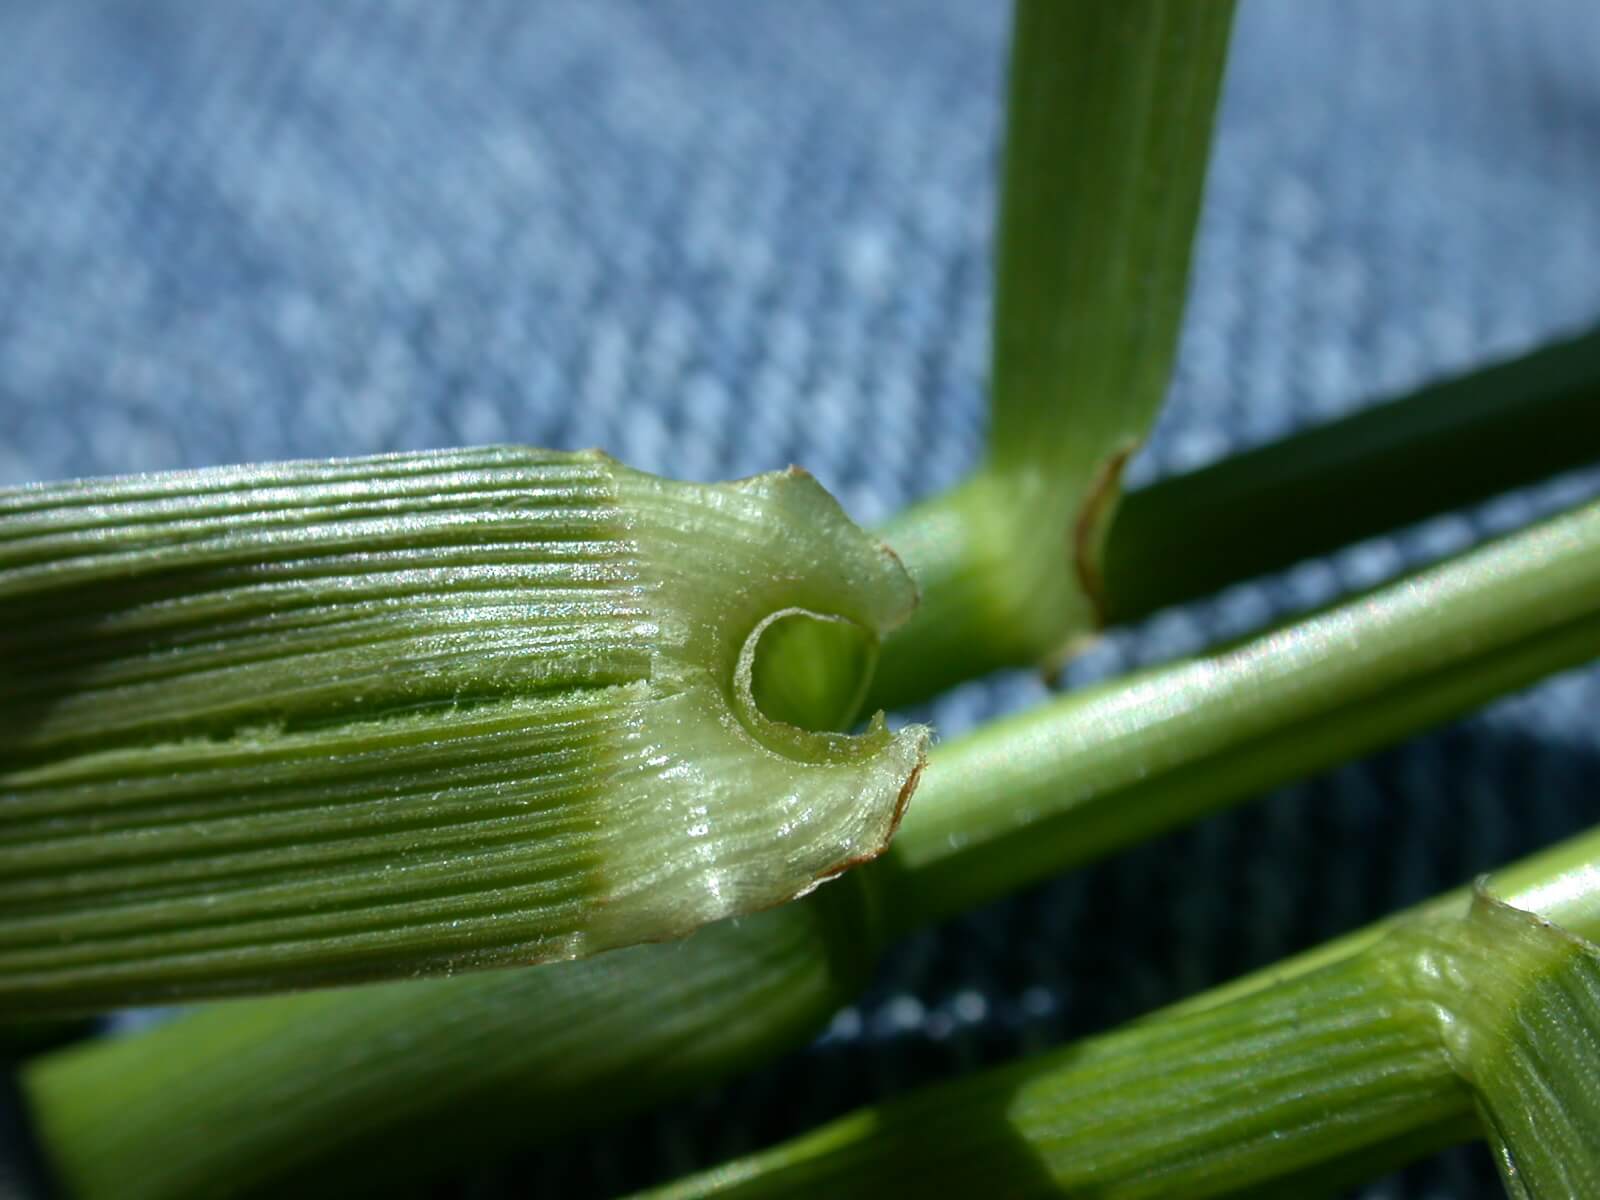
x=298 y=724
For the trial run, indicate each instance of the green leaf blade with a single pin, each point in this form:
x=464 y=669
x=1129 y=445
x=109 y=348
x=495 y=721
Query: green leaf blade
x=1453 y=442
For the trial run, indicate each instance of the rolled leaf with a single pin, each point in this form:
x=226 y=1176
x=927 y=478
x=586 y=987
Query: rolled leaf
x=325 y=721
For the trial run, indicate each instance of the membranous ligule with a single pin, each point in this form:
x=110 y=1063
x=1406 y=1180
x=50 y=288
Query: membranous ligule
x=347 y=719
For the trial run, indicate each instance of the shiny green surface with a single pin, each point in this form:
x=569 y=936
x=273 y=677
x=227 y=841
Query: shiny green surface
x=1031 y=794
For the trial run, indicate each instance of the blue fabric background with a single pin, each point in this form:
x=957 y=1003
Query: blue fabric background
x=715 y=237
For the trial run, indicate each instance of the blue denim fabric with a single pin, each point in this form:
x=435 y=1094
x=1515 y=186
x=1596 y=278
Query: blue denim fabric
x=717 y=237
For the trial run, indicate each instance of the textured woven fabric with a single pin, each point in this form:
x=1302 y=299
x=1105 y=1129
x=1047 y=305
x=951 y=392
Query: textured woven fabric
x=716 y=237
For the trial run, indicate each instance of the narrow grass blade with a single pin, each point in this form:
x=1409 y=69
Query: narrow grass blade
x=1447 y=445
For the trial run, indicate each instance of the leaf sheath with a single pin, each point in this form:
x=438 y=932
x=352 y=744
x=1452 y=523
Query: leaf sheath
x=281 y=726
